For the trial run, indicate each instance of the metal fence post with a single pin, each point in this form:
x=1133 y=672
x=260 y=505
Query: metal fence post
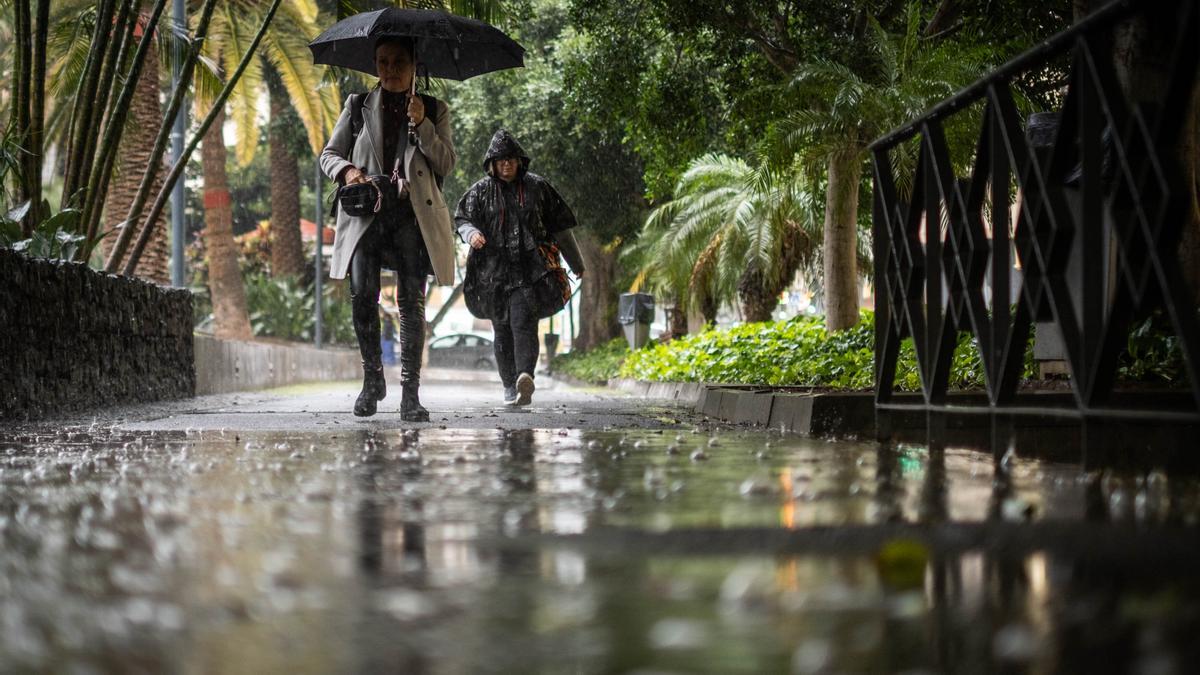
x=318 y=278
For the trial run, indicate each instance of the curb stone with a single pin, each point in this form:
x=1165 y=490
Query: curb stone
x=808 y=413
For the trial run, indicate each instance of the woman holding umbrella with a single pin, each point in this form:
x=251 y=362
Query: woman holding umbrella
x=403 y=140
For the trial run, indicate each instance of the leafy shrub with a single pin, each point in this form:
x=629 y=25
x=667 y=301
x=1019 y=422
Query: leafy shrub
x=596 y=365
x=336 y=312
x=792 y=352
x=283 y=308
x=1152 y=353
x=54 y=238
x=279 y=308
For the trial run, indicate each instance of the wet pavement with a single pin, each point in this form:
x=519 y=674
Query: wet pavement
x=273 y=532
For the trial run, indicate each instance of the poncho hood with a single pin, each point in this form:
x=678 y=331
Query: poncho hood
x=504 y=144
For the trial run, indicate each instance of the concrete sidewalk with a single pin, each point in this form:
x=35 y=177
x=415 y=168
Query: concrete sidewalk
x=455 y=399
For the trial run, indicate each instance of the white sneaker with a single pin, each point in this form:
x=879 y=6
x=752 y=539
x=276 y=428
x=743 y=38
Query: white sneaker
x=525 y=389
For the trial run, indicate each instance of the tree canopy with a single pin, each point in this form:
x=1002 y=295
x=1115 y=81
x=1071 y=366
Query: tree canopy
x=598 y=174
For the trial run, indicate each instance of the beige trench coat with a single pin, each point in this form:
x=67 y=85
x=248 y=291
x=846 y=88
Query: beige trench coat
x=433 y=152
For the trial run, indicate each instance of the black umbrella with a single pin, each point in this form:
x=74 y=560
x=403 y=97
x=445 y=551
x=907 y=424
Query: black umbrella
x=447 y=45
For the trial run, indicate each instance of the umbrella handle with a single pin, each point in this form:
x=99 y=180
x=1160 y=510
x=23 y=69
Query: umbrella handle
x=412 y=86
x=412 y=91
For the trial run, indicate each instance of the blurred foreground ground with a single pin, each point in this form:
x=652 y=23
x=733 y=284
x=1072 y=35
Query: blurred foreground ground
x=275 y=532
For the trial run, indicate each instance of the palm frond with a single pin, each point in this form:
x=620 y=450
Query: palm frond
x=288 y=54
x=243 y=106
x=206 y=82
x=760 y=231
x=727 y=218
x=70 y=40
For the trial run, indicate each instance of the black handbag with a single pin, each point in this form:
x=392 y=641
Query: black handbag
x=552 y=288
x=363 y=199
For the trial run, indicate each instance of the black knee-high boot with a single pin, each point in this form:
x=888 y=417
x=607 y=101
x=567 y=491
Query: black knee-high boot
x=410 y=299
x=364 y=305
x=367 y=330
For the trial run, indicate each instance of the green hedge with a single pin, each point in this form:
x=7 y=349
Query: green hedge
x=798 y=352
x=792 y=352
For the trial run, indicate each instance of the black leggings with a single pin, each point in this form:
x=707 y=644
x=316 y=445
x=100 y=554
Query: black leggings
x=516 y=342
x=365 y=270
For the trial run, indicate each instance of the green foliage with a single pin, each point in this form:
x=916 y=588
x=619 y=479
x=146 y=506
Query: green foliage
x=595 y=365
x=588 y=163
x=283 y=308
x=54 y=238
x=1152 y=353
x=670 y=100
x=10 y=168
x=336 y=312
x=279 y=308
x=896 y=76
x=798 y=352
x=680 y=79
x=250 y=189
x=792 y=352
x=746 y=219
x=795 y=352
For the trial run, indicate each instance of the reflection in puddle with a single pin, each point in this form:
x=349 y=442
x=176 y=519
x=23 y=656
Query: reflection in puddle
x=450 y=551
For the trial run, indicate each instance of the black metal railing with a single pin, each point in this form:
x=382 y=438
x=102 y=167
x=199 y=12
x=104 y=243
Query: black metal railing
x=1100 y=213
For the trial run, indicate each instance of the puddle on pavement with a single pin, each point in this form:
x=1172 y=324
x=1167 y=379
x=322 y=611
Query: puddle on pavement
x=378 y=551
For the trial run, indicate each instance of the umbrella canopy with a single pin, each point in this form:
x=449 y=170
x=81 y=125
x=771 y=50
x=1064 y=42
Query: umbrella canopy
x=447 y=45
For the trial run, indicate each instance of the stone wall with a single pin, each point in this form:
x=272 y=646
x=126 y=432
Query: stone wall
x=232 y=365
x=72 y=338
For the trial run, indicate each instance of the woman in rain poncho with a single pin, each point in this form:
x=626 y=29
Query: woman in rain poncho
x=516 y=223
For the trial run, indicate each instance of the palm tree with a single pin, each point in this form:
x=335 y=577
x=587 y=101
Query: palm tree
x=840 y=110
x=731 y=231
x=285 y=51
x=145 y=115
x=295 y=85
x=231 y=318
x=287 y=250
x=69 y=40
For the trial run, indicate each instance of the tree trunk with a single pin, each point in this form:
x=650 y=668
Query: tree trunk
x=1143 y=62
x=841 y=233
x=287 y=251
x=759 y=292
x=677 y=321
x=708 y=308
x=145 y=116
x=598 y=299
x=231 y=319
x=758 y=302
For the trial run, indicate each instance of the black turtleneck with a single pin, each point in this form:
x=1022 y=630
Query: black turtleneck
x=394 y=110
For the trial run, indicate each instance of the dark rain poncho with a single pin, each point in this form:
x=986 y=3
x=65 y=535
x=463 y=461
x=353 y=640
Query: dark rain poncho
x=516 y=218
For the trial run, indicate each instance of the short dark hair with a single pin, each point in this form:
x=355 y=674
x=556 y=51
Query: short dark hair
x=405 y=43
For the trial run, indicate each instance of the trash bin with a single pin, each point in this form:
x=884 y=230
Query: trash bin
x=551 y=340
x=635 y=312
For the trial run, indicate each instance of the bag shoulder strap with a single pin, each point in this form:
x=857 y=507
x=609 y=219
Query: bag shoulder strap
x=356 y=114
x=431 y=112
x=356 y=125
